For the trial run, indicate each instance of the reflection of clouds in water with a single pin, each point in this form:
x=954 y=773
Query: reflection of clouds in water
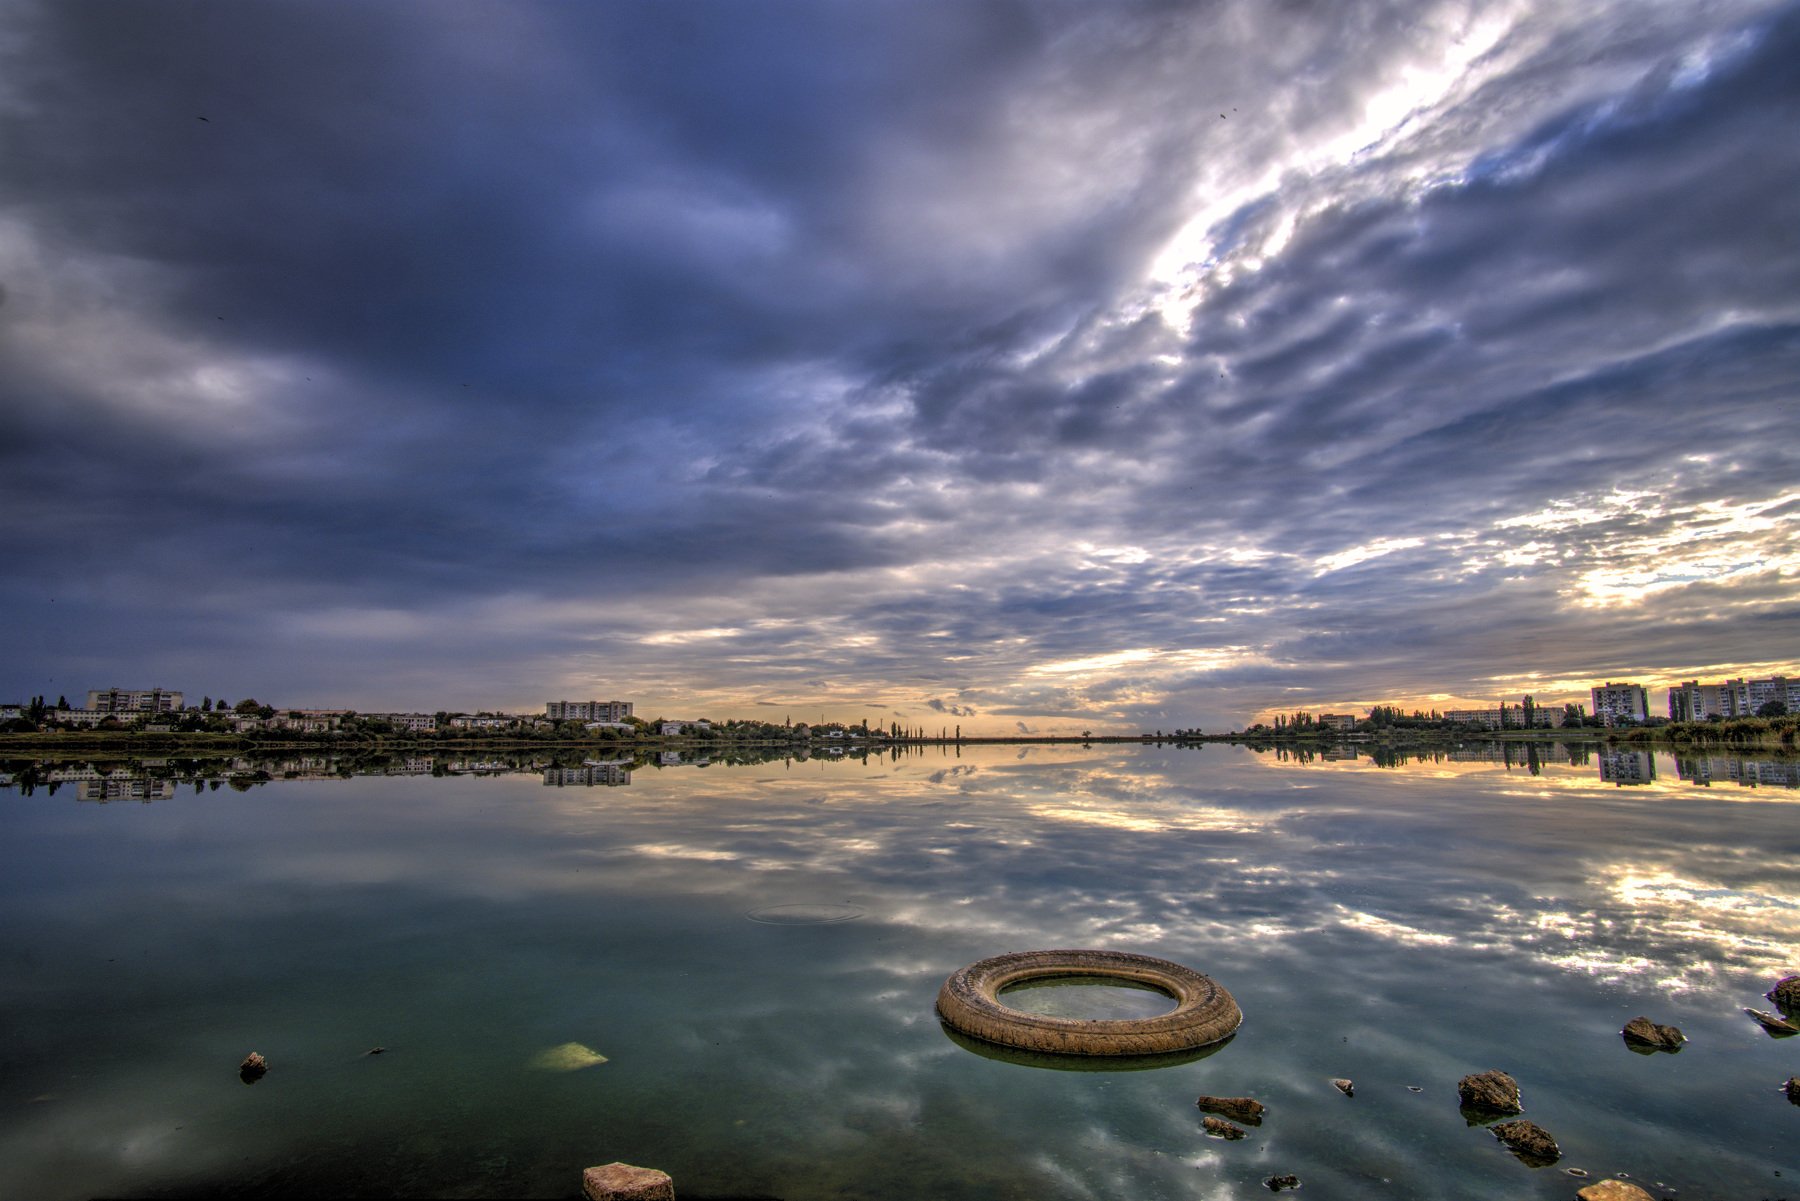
x=1391 y=930
x=1719 y=927
x=1373 y=895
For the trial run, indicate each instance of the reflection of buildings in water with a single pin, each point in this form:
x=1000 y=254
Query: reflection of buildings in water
x=1338 y=753
x=1746 y=773
x=610 y=775
x=82 y=774
x=410 y=767
x=1481 y=752
x=1627 y=767
x=124 y=789
x=479 y=767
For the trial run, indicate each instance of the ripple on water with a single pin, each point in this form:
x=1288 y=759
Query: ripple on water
x=805 y=915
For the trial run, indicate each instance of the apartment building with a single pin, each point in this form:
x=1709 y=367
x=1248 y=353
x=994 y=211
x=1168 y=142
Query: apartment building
x=1620 y=703
x=1694 y=701
x=415 y=723
x=1543 y=717
x=587 y=710
x=133 y=700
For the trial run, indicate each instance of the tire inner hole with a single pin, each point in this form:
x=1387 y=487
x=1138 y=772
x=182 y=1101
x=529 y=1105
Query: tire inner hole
x=1093 y=998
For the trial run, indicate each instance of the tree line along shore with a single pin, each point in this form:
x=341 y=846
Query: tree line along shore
x=1779 y=734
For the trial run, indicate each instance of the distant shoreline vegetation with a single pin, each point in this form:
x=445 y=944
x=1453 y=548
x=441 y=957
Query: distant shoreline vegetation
x=1762 y=733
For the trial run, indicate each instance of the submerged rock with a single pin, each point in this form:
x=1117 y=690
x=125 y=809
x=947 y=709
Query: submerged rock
x=1793 y=1089
x=1239 y=1109
x=1220 y=1128
x=1777 y=1027
x=625 y=1182
x=1642 y=1032
x=376 y=1051
x=1614 y=1190
x=1276 y=1183
x=1344 y=1086
x=253 y=1068
x=1786 y=995
x=1529 y=1141
x=1489 y=1093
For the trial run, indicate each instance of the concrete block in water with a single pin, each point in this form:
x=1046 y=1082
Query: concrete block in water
x=625 y=1182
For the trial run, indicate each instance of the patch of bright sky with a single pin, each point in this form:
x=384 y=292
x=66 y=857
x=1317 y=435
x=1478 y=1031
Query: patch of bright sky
x=678 y=636
x=1201 y=253
x=1715 y=543
x=1209 y=659
x=1363 y=553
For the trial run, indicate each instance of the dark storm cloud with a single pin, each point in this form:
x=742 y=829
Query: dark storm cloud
x=1023 y=359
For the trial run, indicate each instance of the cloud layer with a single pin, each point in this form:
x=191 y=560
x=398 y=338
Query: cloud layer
x=1148 y=365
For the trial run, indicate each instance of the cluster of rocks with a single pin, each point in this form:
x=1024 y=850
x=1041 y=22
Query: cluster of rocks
x=1786 y=995
x=1489 y=1095
x=1642 y=1032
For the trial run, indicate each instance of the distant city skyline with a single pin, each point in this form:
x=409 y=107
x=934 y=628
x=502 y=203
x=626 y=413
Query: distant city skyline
x=1612 y=701
x=1031 y=367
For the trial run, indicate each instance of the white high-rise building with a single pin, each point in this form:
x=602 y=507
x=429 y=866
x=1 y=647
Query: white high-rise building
x=1615 y=703
x=1694 y=701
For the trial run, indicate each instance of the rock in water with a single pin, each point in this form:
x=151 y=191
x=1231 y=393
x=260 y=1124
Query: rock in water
x=568 y=1057
x=1777 y=1027
x=1643 y=1032
x=1220 y=1128
x=253 y=1068
x=1786 y=995
x=1490 y=1092
x=1793 y=1089
x=624 y=1182
x=1614 y=1190
x=1276 y=1183
x=1238 y=1109
x=1529 y=1141
x=1344 y=1086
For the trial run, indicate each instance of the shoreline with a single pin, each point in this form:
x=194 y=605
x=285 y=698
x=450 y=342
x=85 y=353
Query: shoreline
x=1769 y=739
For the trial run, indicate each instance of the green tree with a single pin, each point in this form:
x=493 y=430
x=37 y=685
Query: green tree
x=1772 y=709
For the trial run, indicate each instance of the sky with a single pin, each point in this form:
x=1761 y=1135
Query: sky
x=1024 y=367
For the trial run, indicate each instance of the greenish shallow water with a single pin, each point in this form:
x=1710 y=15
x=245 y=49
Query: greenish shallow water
x=755 y=950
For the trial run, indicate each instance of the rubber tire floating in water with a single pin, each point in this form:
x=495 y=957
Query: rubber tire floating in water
x=1204 y=1012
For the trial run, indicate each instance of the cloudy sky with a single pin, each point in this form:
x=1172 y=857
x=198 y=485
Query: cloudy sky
x=1011 y=365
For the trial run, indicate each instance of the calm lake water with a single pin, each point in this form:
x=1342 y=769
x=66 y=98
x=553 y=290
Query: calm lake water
x=755 y=950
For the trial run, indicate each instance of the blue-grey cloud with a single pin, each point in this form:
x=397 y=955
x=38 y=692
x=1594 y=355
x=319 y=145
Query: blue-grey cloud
x=1155 y=364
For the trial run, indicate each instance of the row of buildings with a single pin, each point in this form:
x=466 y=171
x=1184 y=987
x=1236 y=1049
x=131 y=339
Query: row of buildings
x=155 y=707
x=1624 y=704
x=1694 y=701
x=1620 y=704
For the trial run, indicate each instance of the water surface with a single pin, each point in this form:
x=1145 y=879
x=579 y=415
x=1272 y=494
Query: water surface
x=728 y=972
